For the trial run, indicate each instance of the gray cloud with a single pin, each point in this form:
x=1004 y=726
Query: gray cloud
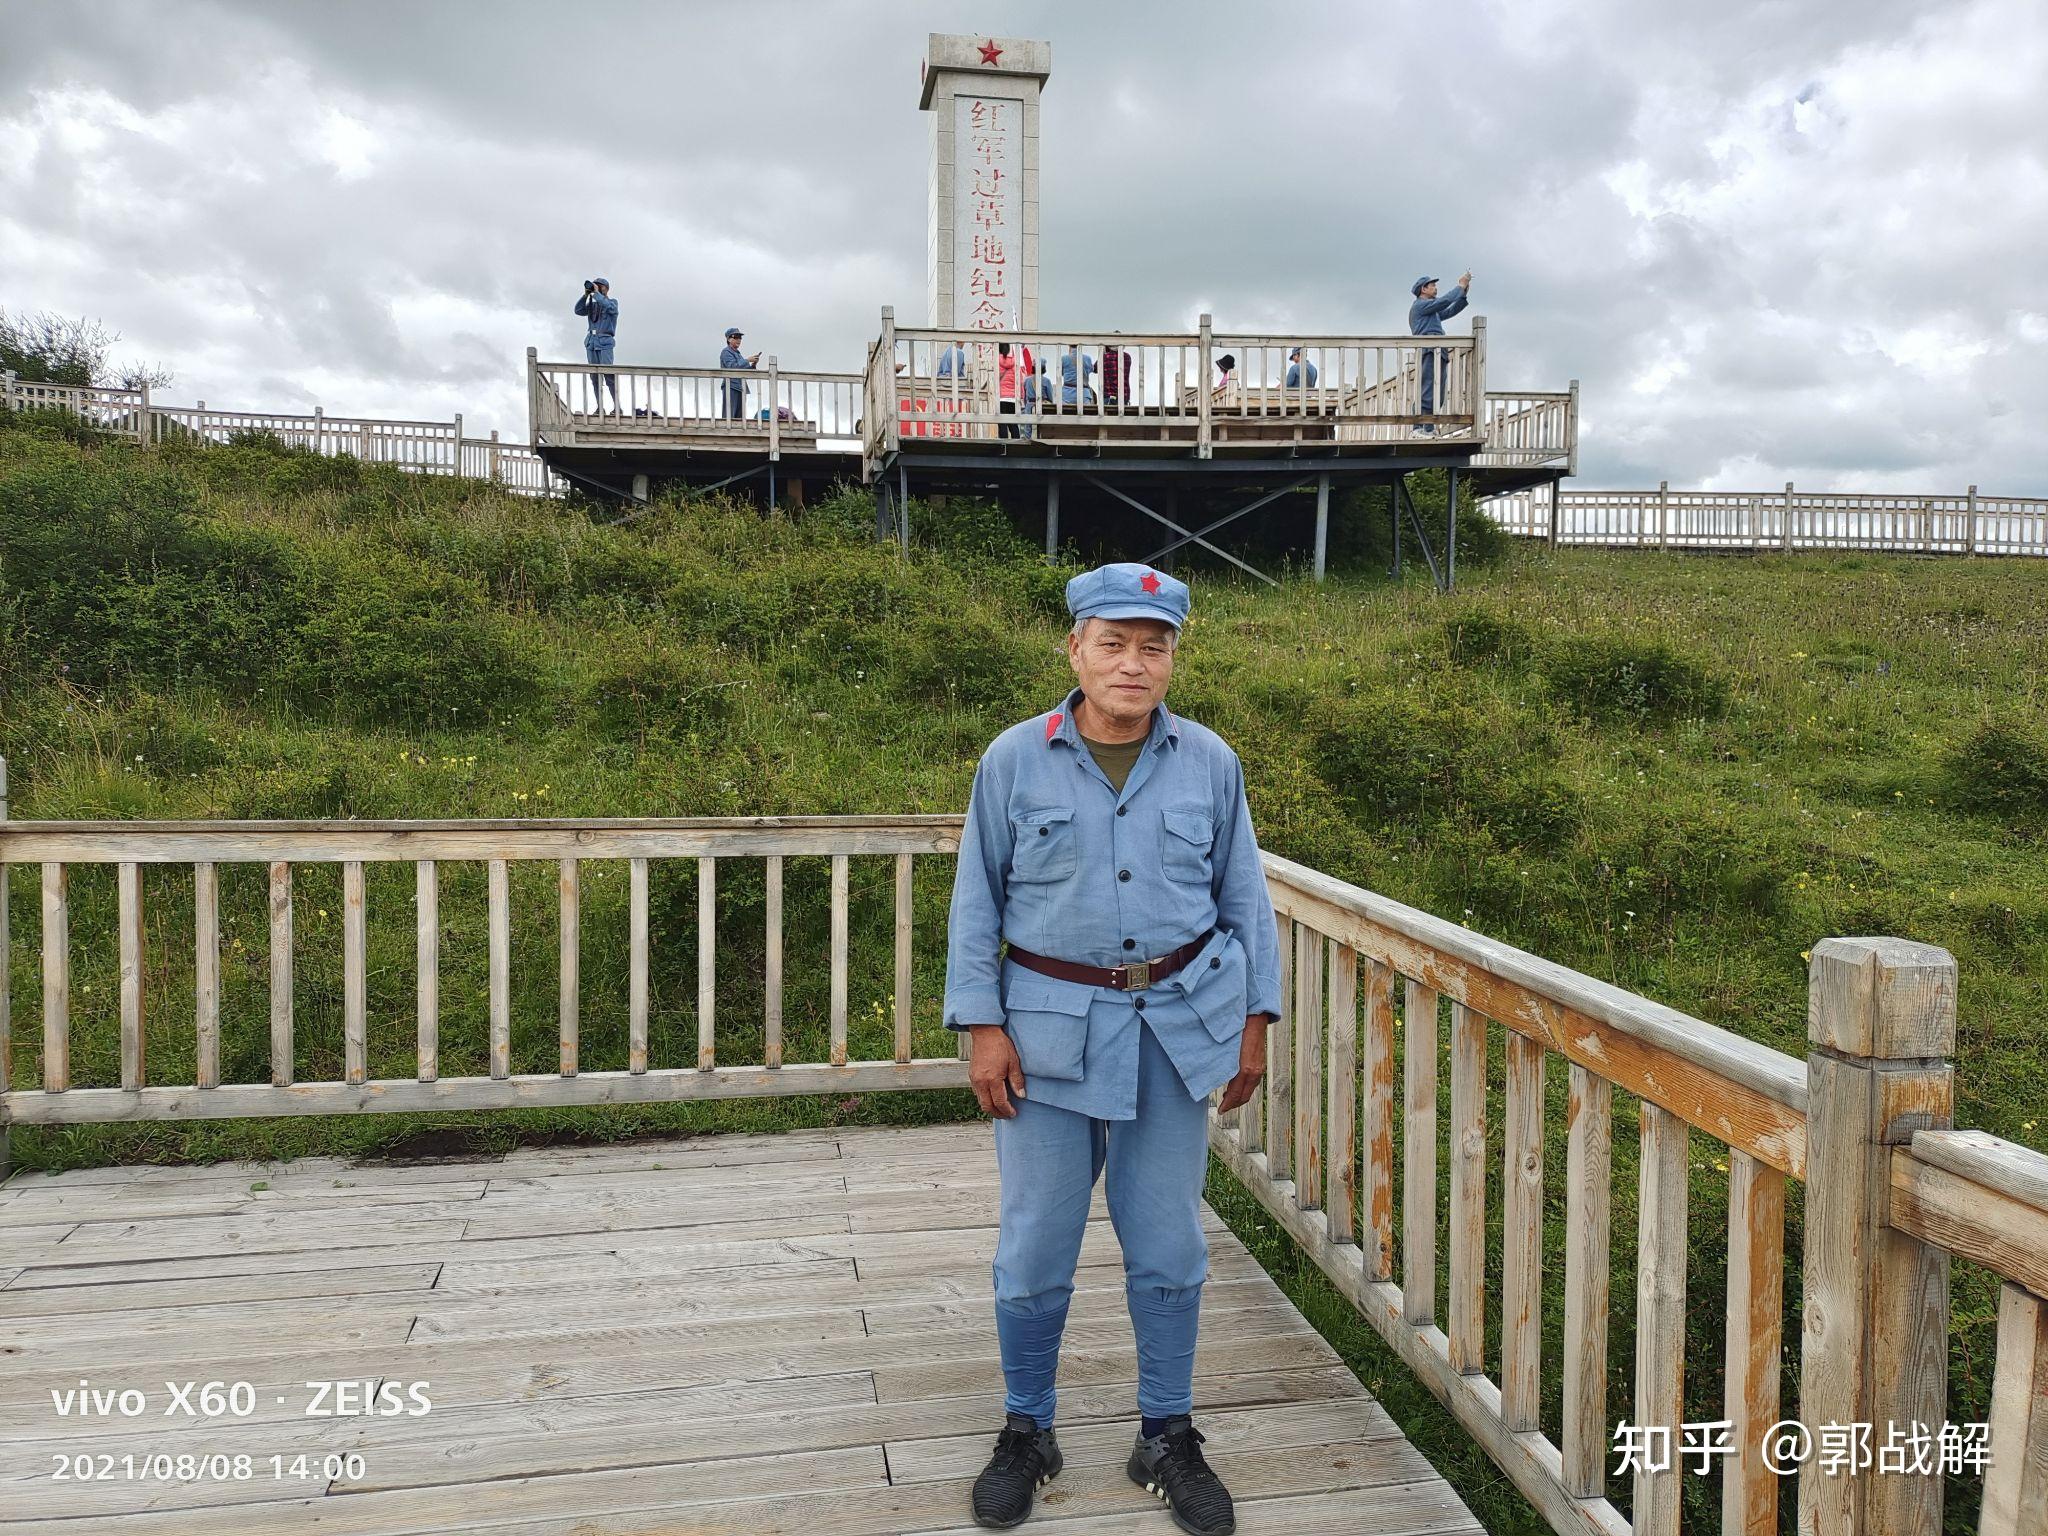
x=1772 y=240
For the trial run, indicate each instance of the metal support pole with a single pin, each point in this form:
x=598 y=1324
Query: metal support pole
x=1052 y=518
x=903 y=506
x=1322 y=525
x=884 y=528
x=1394 y=517
x=1451 y=531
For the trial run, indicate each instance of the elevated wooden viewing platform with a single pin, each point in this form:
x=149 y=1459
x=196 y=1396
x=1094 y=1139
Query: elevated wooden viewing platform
x=792 y=1333
x=1141 y=419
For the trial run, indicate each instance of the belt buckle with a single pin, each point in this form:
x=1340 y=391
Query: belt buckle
x=1137 y=975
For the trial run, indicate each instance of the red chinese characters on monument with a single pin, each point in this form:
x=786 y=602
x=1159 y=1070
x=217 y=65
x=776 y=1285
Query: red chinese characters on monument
x=986 y=225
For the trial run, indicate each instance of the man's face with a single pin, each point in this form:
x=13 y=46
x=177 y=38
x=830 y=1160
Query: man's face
x=733 y=340
x=604 y=288
x=1123 y=666
x=1429 y=290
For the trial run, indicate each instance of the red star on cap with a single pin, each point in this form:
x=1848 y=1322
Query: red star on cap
x=1149 y=582
x=989 y=51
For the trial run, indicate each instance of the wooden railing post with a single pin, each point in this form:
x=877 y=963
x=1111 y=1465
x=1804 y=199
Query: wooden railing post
x=1970 y=523
x=1785 y=533
x=774 y=410
x=533 y=397
x=1881 y=1027
x=1206 y=346
x=1478 y=371
x=884 y=374
x=6 y=960
x=1663 y=514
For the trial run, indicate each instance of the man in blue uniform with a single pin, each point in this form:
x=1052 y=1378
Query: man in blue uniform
x=1108 y=844
x=1426 y=317
x=734 y=404
x=602 y=311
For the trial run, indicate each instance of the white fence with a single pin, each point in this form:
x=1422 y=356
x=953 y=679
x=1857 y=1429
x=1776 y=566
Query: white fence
x=765 y=409
x=1952 y=524
x=424 y=447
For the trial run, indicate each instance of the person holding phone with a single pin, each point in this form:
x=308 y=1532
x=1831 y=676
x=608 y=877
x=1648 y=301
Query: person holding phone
x=736 y=388
x=1426 y=317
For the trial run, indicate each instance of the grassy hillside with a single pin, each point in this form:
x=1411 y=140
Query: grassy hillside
x=1674 y=773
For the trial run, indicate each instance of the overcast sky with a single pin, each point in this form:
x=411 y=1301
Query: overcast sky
x=1799 y=239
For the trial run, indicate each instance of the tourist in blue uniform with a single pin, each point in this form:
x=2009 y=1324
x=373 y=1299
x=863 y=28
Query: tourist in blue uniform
x=1076 y=367
x=601 y=313
x=1295 y=364
x=734 y=405
x=1426 y=317
x=1109 y=846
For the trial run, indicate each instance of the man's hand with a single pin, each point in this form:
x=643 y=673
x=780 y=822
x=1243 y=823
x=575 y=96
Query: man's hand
x=995 y=1072
x=1251 y=1065
x=1466 y=280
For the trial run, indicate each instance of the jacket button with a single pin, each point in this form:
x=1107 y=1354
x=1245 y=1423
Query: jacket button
x=1123 y=874
x=1215 y=962
x=1130 y=943
x=1045 y=831
x=1138 y=1003
x=1121 y=809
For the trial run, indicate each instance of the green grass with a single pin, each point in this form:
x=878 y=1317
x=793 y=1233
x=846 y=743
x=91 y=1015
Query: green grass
x=1675 y=773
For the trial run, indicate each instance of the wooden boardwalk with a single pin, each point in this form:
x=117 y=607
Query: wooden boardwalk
x=721 y=1335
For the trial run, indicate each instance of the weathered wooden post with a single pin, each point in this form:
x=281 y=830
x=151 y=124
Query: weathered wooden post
x=1970 y=516
x=774 y=420
x=532 y=397
x=1663 y=514
x=1479 y=377
x=1205 y=365
x=142 y=433
x=456 y=467
x=6 y=960
x=1881 y=1027
x=1785 y=533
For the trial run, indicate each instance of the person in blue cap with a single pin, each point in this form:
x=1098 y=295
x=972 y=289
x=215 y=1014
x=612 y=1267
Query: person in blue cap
x=1108 y=845
x=734 y=405
x=602 y=312
x=1426 y=317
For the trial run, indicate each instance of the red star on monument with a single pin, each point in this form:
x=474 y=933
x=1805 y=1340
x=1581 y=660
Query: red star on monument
x=990 y=52
x=1149 y=582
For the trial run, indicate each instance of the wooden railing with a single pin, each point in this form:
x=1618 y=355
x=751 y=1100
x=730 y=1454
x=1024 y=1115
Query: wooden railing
x=423 y=447
x=1371 y=1132
x=1534 y=427
x=1890 y=1197
x=766 y=409
x=143 y=856
x=1784 y=520
x=1106 y=386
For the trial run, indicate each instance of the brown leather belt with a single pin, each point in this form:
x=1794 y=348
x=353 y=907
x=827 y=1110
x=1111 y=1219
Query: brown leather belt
x=1135 y=977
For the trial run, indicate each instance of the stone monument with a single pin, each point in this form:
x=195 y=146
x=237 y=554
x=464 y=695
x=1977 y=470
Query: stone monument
x=982 y=93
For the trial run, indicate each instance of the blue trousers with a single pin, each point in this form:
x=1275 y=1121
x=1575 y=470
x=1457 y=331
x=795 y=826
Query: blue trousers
x=1049 y=1160
x=598 y=349
x=1430 y=365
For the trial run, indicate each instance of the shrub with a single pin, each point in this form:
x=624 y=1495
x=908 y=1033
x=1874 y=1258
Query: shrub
x=1474 y=639
x=666 y=689
x=1607 y=678
x=2001 y=769
x=398 y=648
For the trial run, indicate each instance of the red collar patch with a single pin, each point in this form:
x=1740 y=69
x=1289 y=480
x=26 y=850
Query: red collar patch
x=1052 y=724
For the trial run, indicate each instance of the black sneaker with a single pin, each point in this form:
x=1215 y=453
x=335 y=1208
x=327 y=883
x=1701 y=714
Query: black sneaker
x=1026 y=1459
x=1170 y=1467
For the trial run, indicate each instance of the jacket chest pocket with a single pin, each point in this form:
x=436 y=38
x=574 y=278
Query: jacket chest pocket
x=1185 y=840
x=1043 y=845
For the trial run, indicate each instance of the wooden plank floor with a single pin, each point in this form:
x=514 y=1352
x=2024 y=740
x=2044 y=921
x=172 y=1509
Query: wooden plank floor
x=731 y=1335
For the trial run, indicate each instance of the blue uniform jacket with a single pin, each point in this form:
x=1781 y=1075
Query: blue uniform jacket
x=1426 y=317
x=603 y=312
x=1056 y=862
